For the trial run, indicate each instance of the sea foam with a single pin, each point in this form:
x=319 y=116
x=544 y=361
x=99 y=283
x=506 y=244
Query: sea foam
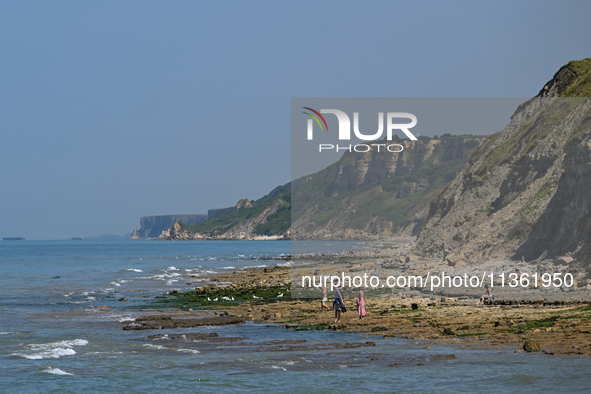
x=57 y=371
x=39 y=351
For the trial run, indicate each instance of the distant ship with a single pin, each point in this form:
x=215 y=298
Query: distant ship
x=13 y=239
x=78 y=238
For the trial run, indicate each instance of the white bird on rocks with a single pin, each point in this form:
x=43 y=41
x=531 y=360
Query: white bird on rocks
x=215 y=299
x=208 y=299
x=232 y=298
x=280 y=295
x=258 y=298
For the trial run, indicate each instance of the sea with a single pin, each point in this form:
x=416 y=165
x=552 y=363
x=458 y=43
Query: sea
x=61 y=331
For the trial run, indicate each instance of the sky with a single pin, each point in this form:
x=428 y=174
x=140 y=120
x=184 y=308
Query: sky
x=111 y=110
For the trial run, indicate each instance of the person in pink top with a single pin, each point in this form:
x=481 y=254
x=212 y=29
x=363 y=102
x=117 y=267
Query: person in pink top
x=361 y=305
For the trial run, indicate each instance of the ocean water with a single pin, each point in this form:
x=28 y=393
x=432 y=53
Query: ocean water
x=61 y=331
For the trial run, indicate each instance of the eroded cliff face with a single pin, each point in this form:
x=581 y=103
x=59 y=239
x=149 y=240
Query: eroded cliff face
x=525 y=193
x=564 y=227
x=374 y=194
x=153 y=226
x=363 y=169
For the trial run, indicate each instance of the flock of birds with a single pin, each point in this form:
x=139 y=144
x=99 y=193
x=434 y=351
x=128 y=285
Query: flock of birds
x=232 y=299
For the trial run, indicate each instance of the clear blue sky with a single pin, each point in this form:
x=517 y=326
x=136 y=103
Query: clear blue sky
x=113 y=110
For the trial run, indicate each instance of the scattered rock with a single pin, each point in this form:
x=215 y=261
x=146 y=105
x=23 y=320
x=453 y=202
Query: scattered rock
x=502 y=323
x=448 y=331
x=163 y=322
x=410 y=257
x=123 y=299
x=563 y=260
x=531 y=346
x=415 y=306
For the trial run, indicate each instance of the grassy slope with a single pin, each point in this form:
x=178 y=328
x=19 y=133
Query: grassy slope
x=581 y=87
x=227 y=218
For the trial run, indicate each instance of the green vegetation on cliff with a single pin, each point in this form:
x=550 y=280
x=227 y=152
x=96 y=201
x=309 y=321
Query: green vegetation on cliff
x=581 y=86
x=227 y=218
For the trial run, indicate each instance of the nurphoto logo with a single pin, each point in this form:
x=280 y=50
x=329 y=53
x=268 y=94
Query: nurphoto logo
x=345 y=130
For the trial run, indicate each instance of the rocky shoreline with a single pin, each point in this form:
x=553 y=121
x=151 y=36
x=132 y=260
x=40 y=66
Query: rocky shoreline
x=553 y=323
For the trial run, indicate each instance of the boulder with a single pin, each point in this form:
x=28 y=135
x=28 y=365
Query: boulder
x=563 y=260
x=531 y=346
x=410 y=257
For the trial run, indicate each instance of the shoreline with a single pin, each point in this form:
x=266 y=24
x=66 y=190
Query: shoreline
x=559 y=327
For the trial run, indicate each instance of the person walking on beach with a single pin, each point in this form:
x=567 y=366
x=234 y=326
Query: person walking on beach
x=338 y=304
x=324 y=299
x=486 y=296
x=360 y=304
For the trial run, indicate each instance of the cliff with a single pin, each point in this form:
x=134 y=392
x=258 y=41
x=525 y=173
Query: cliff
x=369 y=195
x=525 y=192
x=153 y=226
x=266 y=218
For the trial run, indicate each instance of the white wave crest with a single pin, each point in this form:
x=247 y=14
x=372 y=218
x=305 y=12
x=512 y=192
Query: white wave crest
x=189 y=351
x=39 y=351
x=57 y=371
x=148 y=345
